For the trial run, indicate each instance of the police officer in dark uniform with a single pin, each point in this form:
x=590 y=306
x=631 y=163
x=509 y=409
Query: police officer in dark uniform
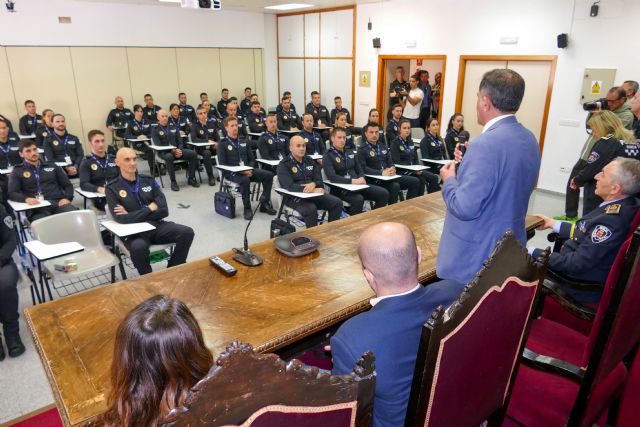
x=298 y=173
x=393 y=127
x=97 y=169
x=404 y=153
x=133 y=197
x=205 y=131
x=232 y=111
x=140 y=129
x=432 y=146
x=591 y=245
x=45 y=129
x=7 y=121
x=315 y=144
x=340 y=109
x=288 y=119
x=341 y=122
x=341 y=167
x=374 y=117
x=255 y=118
x=254 y=98
x=165 y=134
x=452 y=138
x=119 y=117
x=186 y=110
x=9 y=157
x=375 y=158
x=176 y=120
x=150 y=109
x=398 y=89
x=30 y=121
x=222 y=103
x=271 y=145
x=235 y=151
x=63 y=147
x=34 y=181
x=9 y=289
x=245 y=104
x=286 y=94
x=213 y=117
x=321 y=116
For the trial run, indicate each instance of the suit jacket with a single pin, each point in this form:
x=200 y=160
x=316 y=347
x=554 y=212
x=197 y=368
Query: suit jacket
x=489 y=195
x=391 y=329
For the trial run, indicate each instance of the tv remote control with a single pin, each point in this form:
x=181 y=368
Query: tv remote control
x=226 y=268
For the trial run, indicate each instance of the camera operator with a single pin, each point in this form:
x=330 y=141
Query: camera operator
x=631 y=87
x=616 y=102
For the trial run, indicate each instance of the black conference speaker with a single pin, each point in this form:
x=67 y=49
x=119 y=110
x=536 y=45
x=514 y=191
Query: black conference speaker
x=563 y=40
x=376 y=43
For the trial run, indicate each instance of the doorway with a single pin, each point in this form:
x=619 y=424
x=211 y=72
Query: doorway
x=387 y=64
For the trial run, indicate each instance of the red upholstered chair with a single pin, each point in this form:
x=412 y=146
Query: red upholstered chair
x=469 y=352
x=260 y=390
x=630 y=401
x=560 y=308
x=571 y=379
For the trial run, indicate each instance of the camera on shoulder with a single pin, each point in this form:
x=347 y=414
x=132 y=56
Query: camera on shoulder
x=598 y=104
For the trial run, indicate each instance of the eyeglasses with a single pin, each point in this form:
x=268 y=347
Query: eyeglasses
x=613 y=100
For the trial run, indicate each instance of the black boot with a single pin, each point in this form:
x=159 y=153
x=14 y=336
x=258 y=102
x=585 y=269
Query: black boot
x=14 y=345
x=2 y=355
x=248 y=214
x=267 y=207
x=193 y=182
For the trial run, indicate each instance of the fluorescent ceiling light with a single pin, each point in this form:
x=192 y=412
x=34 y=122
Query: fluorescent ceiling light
x=289 y=6
x=170 y=1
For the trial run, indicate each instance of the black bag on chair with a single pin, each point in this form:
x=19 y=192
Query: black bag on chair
x=280 y=227
x=224 y=204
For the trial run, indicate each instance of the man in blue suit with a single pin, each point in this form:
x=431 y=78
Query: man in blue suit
x=491 y=191
x=392 y=328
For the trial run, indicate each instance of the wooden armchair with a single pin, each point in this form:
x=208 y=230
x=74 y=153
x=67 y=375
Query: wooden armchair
x=469 y=353
x=261 y=390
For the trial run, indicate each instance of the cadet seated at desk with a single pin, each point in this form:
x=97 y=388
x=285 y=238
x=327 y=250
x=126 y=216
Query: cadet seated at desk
x=139 y=128
x=232 y=111
x=45 y=129
x=288 y=119
x=186 y=110
x=374 y=117
x=298 y=173
x=166 y=135
x=342 y=167
x=212 y=112
x=63 y=147
x=593 y=242
x=212 y=117
x=9 y=156
x=204 y=131
x=432 y=146
x=452 y=138
x=162 y=336
x=271 y=145
x=340 y=109
x=235 y=151
x=320 y=113
x=30 y=121
x=150 y=109
x=222 y=103
x=132 y=198
x=393 y=127
x=9 y=314
x=97 y=169
x=245 y=104
x=341 y=122
x=375 y=158
x=403 y=152
x=255 y=118
x=286 y=95
x=255 y=98
x=7 y=121
x=315 y=143
x=178 y=121
x=119 y=118
x=33 y=181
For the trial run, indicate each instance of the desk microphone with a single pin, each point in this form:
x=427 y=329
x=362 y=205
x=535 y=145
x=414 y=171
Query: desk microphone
x=246 y=256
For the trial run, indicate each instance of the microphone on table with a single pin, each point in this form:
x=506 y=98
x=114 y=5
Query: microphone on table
x=245 y=255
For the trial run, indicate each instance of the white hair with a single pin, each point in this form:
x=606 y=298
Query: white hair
x=627 y=174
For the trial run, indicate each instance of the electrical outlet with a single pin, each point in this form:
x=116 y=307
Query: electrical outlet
x=565 y=169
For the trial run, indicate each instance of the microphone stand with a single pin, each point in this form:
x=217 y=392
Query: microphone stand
x=245 y=255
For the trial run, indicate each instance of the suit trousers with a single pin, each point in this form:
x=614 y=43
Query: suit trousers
x=378 y=195
x=308 y=208
x=189 y=155
x=9 y=298
x=262 y=176
x=572 y=199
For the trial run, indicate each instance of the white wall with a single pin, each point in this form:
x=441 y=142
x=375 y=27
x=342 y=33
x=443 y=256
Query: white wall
x=470 y=27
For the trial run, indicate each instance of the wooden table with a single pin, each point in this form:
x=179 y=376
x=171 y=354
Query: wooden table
x=270 y=306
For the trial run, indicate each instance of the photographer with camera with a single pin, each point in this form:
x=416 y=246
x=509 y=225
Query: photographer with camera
x=616 y=102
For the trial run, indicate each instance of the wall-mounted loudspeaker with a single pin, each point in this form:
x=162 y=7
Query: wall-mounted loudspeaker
x=563 y=40
x=376 y=43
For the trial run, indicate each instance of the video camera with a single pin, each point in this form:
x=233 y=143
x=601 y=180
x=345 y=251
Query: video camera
x=598 y=104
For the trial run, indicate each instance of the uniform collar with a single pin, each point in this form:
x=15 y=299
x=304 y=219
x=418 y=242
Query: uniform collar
x=374 y=301
x=611 y=201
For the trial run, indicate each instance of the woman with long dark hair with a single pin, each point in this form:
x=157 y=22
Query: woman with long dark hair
x=159 y=355
x=454 y=127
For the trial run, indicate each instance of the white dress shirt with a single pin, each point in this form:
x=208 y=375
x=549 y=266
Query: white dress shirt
x=376 y=300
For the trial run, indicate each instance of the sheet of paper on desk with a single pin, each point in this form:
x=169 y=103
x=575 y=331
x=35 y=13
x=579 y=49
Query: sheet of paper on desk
x=412 y=167
x=123 y=230
x=438 y=162
x=19 y=206
x=89 y=194
x=300 y=195
x=201 y=144
x=162 y=147
x=383 y=177
x=235 y=168
x=315 y=156
x=348 y=187
x=26 y=136
x=269 y=162
x=136 y=139
x=63 y=164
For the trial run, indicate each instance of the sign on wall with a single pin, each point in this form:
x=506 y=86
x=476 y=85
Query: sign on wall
x=365 y=79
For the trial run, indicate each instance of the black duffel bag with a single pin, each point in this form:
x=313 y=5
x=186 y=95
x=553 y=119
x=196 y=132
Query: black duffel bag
x=280 y=227
x=224 y=204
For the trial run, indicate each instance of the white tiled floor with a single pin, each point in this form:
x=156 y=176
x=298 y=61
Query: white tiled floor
x=23 y=384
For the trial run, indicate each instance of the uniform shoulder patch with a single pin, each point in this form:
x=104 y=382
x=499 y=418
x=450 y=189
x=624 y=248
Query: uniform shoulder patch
x=593 y=157
x=8 y=221
x=600 y=234
x=613 y=209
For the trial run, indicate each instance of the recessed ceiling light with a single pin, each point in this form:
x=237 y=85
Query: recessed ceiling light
x=288 y=6
x=170 y=1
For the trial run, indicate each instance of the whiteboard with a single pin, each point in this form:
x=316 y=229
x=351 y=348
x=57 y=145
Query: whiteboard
x=292 y=79
x=290 y=35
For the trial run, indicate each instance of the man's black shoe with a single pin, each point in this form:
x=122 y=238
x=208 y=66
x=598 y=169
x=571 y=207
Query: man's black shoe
x=248 y=213
x=212 y=181
x=174 y=186
x=14 y=345
x=2 y=355
x=266 y=207
x=193 y=182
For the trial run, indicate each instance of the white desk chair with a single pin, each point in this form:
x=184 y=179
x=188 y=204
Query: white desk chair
x=82 y=227
x=417 y=133
x=357 y=141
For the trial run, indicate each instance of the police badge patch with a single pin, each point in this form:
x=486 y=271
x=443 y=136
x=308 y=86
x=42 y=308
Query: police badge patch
x=294 y=169
x=593 y=157
x=161 y=133
x=8 y=221
x=600 y=234
x=55 y=143
x=94 y=167
x=371 y=153
x=122 y=194
x=26 y=174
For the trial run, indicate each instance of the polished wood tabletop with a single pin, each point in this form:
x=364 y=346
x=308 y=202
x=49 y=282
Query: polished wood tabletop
x=270 y=306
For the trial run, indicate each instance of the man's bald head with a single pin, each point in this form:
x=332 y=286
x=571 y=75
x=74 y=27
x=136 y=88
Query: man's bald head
x=124 y=152
x=389 y=253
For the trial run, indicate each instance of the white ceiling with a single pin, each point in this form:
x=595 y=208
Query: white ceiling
x=252 y=5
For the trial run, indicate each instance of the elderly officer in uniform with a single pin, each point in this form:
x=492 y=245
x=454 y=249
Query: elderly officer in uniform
x=272 y=146
x=298 y=173
x=119 y=117
x=164 y=134
x=375 y=158
x=63 y=147
x=34 y=181
x=133 y=197
x=204 y=130
x=593 y=242
x=9 y=289
x=341 y=167
x=97 y=169
x=235 y=151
